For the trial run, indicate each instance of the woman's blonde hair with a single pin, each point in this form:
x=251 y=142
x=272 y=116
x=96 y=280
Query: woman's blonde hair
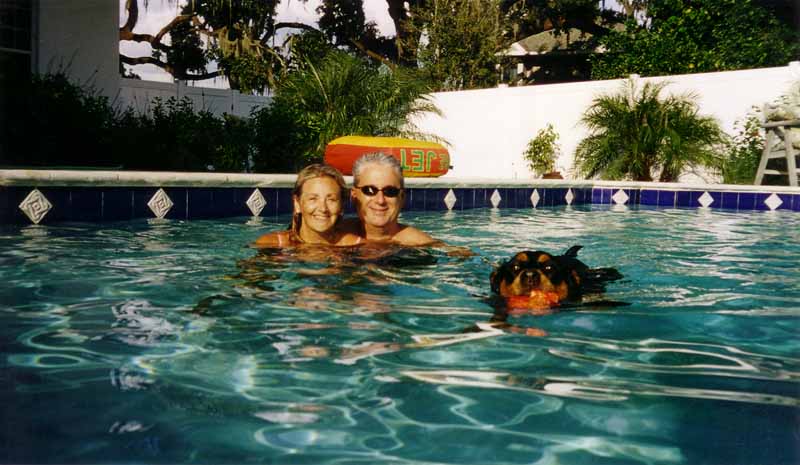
x=317 y=170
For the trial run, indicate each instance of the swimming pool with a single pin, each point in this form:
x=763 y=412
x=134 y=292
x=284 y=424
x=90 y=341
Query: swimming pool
x=164 y=341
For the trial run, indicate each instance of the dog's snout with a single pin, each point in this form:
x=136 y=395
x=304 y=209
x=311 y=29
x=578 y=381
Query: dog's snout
x=531 y=277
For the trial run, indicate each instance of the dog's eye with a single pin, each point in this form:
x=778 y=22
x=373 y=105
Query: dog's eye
x=548 y=268
x=515 y=268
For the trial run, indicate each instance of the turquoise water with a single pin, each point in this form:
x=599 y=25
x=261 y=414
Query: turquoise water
x=172 y=342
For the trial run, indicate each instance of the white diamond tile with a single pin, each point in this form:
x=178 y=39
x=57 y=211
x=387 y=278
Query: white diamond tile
x=256 y=202
x=705 y=200
x=35 y=206
x=450 y=199
x=569 y=197
x=773 y=201
x=160 y=203
x=495 y=198
x=535 y=198
x=620 y=197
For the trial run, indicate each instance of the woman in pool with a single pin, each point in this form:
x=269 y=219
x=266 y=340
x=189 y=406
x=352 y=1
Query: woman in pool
x=317 y=198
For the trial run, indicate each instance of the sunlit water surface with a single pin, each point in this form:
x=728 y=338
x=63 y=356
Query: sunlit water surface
x=172 y=342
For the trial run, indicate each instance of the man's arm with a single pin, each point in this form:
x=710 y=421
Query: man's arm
x=412 y=236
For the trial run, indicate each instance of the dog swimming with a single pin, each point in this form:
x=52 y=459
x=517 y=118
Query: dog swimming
x=540 y=280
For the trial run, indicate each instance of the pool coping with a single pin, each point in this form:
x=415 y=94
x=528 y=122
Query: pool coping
x=49 y=196
x=10 y=177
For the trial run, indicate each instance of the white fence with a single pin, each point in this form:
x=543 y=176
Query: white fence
x=140 y=94
x=489 y=129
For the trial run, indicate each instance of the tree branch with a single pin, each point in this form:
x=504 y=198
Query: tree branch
x=132 y=7
x=373 y=55
x=166 y=67
x=175 y=21
x=295 y=26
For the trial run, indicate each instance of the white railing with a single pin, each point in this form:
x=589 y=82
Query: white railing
x=139 y=95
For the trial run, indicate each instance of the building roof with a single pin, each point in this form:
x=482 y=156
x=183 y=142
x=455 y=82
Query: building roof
x=546 y=42
x=551 y=41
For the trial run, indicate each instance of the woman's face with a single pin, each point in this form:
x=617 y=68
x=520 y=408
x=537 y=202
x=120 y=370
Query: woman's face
x=320 y=204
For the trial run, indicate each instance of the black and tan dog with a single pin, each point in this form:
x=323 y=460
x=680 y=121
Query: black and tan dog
x=563 y=278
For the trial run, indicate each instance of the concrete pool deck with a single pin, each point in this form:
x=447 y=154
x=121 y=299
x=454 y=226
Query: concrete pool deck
x=50 y=196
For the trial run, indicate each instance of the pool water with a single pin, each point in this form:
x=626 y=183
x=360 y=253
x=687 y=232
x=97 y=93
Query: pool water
x=172 y=342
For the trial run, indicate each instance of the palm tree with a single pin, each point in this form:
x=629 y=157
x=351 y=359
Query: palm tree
x=343 y=95
x=633 y=133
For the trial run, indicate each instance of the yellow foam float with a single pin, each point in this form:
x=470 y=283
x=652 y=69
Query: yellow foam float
x=419 y=159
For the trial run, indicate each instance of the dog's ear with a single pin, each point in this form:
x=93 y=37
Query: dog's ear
x=494 y=282
x=573 y=251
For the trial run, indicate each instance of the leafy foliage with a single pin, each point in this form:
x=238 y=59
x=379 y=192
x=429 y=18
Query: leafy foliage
x=344 y=25
x=693 y=36
x=526 y=17
x=455 y=42
x=60 y=123
x=745 y=148
x=174 y=137
x=634 y=132
x=543 y=150
x=342 y=20
x=341 y=95
x=744 y=151
x=57 y=122
x=237 y=33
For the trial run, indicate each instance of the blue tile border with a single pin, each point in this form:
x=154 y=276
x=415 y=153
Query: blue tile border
x=118 y=203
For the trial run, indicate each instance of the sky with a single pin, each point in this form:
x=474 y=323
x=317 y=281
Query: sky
x=160 y=12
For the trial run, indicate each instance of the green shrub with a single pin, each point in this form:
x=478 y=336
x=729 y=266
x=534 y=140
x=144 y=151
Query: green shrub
x=744 y=151
x=337 y=96
x=59 y=123
x=56 y=122
x=543 y=150
x=634 y=133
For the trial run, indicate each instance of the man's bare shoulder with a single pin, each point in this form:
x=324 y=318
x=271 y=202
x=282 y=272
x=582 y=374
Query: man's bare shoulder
x=348 y=239
x=409 y=235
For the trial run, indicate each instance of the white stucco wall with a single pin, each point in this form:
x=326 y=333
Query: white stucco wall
x=489 y=129
x=83 y=36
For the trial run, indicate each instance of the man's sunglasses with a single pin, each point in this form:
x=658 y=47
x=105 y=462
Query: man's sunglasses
x=388 y=191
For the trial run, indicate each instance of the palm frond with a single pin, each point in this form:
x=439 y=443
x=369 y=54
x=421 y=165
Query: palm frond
x=636 y=131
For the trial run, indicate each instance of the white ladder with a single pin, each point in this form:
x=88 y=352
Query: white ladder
x=778 y=132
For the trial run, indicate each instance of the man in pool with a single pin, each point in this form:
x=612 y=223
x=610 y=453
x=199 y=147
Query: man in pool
x=378 y=194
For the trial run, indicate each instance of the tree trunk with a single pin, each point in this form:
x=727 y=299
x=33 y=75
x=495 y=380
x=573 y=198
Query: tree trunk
x=668 y=175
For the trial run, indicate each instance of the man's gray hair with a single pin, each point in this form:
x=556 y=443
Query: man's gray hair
x=379 y=158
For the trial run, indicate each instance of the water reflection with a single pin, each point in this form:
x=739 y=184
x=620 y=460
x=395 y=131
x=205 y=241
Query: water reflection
x=595 y=389
x=350 y=356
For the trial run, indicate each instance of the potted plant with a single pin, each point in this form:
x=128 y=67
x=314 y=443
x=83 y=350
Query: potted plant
x=542 y=152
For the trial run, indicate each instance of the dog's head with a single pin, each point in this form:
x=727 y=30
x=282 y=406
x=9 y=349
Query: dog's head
x=536 y=271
